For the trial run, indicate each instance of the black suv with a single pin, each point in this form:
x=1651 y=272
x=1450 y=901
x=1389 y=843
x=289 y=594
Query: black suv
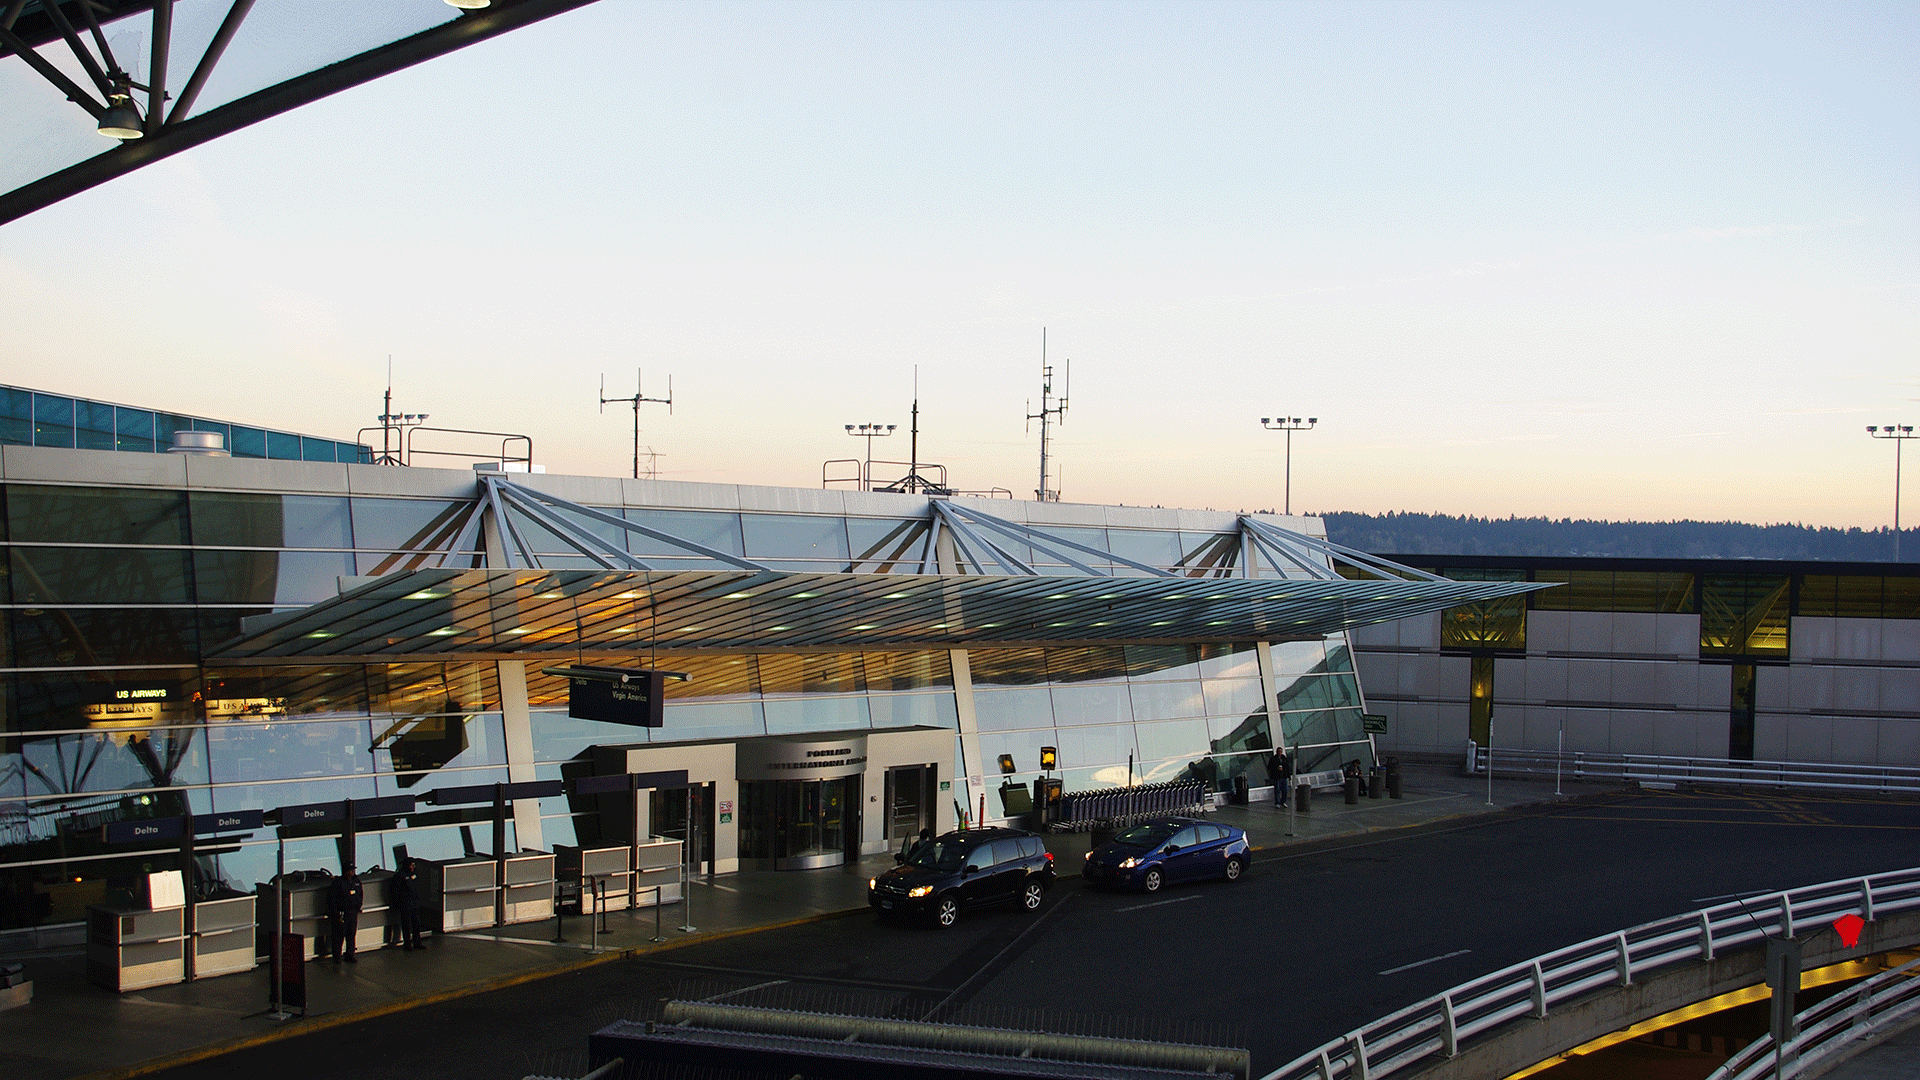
x=939 y=877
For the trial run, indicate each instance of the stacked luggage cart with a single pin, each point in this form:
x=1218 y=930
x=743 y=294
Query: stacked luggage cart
x=1085 y=811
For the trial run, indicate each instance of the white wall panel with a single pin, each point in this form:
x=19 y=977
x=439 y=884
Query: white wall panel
x=1547 y=631
x=1589 y=680
x=1856 y=689
x=1677 y=635
x=1809 y=738
x=1632 y=732
x=1810 y=638
x=1855 y=739
x=1856 y=639
x=1546 y=679
x=1634 y=633
x=1900 y=640
x=1589 y=631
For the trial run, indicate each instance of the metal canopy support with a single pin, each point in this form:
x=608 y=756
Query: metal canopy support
x=524 y=495
x=1049 y=542
x=54 y=75
x=976 y=544
x=1373 y=564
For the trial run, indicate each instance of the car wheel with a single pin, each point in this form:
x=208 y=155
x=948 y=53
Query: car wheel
x=1235 y=867
x=1152 y=880
x=946 y=912
x=1030 y=898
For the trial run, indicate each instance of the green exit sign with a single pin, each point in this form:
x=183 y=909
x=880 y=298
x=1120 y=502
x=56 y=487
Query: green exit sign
x=1373 y=723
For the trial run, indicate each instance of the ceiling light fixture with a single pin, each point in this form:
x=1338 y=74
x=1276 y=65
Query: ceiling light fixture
x=121 y=120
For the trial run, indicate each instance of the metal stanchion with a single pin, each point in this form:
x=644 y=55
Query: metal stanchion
x=657 y=905
x=559 y=914
x=686 y=897
x=279 y=1011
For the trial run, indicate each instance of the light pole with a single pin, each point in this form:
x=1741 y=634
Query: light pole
x=869 y=432
x=1288 y=424
x=1899 y=433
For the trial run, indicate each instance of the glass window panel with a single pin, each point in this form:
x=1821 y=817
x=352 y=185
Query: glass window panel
x=1233 y=697
x=1298 y=657
x=710 y=719
x=1306 y=692
x=1743 y=613
x=52 y=420
x=786 y=716
x=1166 y=700
x=56 y=637
x=245 y=519
x=16 y=417
x=1023 y=745
x=1091 y=704
x=133 y=430
x=54 y=700
x=312 y=449
x=93 y=425
x=1177 y=739
x=114 y=760
x=914 y=710
x=1902 y=598
x=799 y=543
x=419 y=689
x=1093 y=538
x=1007 y=710
x=718 y=531
x=236 y=693
x=1235 y=660
x=278 y=578
x=1007 y=667
x=1209 y=554
x=1153 y=547
x=248 y=442
x=1096 y=747
x=95 y=515
x=225 y=431
x=1645 y=590
x=887 y=546
x=250 y=752
x=908 y=670
x=99 y=576
x=1163 y=662
x=219 y=626
x=407 y=524
x=1344 y=690
x=1339 y=658
x=352 y=453
x=1086 y=664
x=164 y=425
x=282 y=446
x=811 y=673
x=547 y=541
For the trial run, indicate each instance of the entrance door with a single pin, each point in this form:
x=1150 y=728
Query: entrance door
x=909 y=803
x=667 y=811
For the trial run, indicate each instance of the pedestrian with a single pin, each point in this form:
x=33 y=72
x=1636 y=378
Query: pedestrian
x=348 y=895
x=918 y=844
x=406 y=903
x=1280 y=767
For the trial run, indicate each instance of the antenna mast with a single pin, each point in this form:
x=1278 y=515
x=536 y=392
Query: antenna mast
x=639 y=398
x=1047 y=412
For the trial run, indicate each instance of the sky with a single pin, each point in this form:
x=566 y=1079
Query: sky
x=1601 y=260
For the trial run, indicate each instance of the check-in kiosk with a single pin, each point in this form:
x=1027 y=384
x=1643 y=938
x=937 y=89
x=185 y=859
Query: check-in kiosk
x=526 y=880
x=376 y=911
x=460 y=893
x=609 y=868
x=222 y=939
x=134 y=945
x=659 y=868
x=308 y=898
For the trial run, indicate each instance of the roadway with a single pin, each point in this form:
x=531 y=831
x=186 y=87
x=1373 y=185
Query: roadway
x=1315 y=941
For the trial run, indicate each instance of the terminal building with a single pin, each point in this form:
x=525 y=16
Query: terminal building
x=192 y=633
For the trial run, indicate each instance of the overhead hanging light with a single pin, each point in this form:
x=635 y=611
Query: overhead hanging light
x=469 y=5
x=121 y=120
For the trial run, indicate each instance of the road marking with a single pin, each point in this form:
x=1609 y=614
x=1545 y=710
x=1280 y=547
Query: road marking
x=1161 y=903
x=747 y=989
x=1424 y=963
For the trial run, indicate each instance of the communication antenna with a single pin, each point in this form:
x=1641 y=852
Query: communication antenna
x=393 y=426
x=1046 y=414
x=638 y=399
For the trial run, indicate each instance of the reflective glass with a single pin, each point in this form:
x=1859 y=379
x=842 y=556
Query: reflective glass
x=1175 y=739
x=74 y=515
x=1306 y=692
x=116 y=760
x=245 y=519
x=1339 y=657
x=278 y=578
x=1345 y=690
x=1210 y=554
x=1153 y=547
x=1090 y=663
x=238 y=693
x=1166 y=700
x=67 y=700
x=406 y=524
x=282 y=446
x=1298 y=657
x=1859 y=597
x=1007 y=710
x=249 y=752
x=164 y=425
x=908 y=670
x=1743 y=613
x=811 y=673
x=312 y=449
x=133 y=430
x=1157 y=662
x=787 y=716
x=887 y=546
x=1093 y=538
x=1237 y=659
x=1233 y=697
x=93 y=425
x=797 y=543
x=710 y=720
x=1097 y=746
x=420 y=689
x=914 y=710
x=16 y=417
x=43 y=575
x=248 y=442
x=52 y=420
x=1007 y=667
x=1075 y=706
x=57 y=637
x=719 y=531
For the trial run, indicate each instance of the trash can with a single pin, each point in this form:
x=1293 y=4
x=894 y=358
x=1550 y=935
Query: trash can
x=1352 y=789
x=1393 y=777
x=1240 y=787
x=1302 y=796
x=1376 y=782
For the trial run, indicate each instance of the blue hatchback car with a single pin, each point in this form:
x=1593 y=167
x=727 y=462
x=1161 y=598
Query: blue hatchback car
x=1163 y=850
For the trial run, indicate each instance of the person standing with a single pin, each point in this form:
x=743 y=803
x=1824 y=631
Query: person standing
x=406 y=902
x=1280 y=767
x=348 y=896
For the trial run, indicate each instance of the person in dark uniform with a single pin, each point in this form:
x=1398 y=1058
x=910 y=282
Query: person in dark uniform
x=348 y=895
x=406 y=902
x=1280 y=767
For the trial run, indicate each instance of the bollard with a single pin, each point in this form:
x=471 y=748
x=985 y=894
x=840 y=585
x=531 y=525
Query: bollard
x=1302 y=797
x=1393 y=778
x=1376 y=783
x=1351 y=786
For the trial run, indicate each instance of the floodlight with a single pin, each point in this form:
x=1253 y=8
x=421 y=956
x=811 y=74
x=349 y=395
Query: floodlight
x=121 y=120
x=469 y=5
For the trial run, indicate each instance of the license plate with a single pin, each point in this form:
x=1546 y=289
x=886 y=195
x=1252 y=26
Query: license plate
x=886 y=905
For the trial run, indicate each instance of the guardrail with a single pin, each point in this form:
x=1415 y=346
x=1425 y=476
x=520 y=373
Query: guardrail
x=1866 y=1009
x=1579 y=765
x=1441 y=1024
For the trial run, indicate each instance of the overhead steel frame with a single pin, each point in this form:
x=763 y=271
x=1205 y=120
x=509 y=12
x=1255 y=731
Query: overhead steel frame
x=170 y=131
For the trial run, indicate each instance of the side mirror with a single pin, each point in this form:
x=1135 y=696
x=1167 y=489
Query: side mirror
x=899 y=858
x=969 y=870
x=1171 y=848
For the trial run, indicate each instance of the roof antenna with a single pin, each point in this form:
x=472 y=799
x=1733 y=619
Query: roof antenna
x=639 y=398
x=1044 y=493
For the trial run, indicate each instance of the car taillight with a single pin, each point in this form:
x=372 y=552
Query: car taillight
x=1049 y=858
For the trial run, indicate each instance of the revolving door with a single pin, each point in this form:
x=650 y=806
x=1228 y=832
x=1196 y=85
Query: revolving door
x=798 y=824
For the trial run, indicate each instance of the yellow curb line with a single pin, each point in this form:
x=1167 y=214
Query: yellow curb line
x=325 y=1021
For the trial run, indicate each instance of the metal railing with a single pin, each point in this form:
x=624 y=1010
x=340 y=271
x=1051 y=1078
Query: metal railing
x=1871 y=1007
x=1439 y=1026
x=1655 y=768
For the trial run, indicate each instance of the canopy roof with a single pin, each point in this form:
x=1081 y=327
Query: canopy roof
x=522 y=613
x=198 y=70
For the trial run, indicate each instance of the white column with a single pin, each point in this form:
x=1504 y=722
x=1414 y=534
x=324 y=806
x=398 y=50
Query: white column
x=518 y=721
x=971 y=764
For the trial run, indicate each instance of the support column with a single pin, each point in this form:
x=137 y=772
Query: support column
x=518 y=721
x=972 y=769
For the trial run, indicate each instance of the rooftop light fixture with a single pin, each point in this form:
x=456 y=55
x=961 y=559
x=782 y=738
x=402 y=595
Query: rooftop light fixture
x=121 y=120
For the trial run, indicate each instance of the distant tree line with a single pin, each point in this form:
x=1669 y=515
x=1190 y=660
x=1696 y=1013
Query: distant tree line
x=1444 y=534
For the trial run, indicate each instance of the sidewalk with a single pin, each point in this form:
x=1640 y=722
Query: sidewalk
x=74 y=1028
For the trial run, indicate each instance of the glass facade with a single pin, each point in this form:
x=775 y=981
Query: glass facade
x=34 y=418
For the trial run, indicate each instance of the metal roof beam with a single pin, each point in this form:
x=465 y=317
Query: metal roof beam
x=729 y=558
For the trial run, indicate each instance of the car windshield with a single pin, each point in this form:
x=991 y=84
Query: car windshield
x=1149 y=835
x=938 y=855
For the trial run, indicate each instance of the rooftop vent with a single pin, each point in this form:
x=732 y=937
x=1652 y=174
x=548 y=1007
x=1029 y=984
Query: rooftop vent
x=209 y=443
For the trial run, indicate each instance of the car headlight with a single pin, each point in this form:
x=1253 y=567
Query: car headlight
x=872 y=883
x=1088 y=856
x=1129 y=863
x=919 y=890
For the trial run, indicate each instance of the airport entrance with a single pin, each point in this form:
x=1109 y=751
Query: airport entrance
x=800 y=801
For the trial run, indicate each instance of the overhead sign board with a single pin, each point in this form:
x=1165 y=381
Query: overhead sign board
x=318 y=813
x=168 y=828
x=1373 y=723
x=637 y=701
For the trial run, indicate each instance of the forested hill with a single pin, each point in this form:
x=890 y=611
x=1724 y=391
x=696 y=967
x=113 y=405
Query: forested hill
x=1441 y=534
